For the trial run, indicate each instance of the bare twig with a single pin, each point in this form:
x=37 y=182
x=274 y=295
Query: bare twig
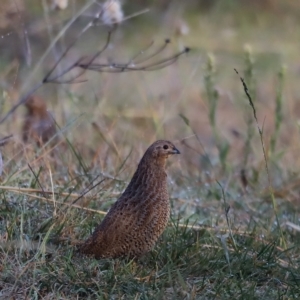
x=20 y=102
x=88 y=189
x=139 y=65
x=54 y=79
x=5 y=140
x=132 y=65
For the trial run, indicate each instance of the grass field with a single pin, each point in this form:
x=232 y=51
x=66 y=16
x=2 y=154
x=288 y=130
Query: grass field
x=234 y=231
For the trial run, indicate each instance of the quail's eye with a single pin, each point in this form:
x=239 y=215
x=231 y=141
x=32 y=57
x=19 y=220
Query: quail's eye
x=166 y=147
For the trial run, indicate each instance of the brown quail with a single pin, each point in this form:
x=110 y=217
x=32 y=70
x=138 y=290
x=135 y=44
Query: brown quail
x=38 y=125
x=140 y=215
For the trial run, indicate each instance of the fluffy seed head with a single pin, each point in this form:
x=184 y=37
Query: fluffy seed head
x=59 y=4
x=112 y=12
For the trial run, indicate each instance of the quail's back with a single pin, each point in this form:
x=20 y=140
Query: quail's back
x=140 y=215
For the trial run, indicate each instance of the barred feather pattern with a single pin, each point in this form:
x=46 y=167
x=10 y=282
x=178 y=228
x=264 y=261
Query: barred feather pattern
x=137 y=219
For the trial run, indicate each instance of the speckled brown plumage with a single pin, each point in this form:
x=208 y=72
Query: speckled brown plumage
x=140 y=215
x=38 y=124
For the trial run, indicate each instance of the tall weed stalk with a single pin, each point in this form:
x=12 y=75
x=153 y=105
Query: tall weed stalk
x=213 y=99
x=249 y=78
x=278 y=107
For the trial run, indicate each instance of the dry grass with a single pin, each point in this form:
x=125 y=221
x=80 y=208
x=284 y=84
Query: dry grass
x=229 y=236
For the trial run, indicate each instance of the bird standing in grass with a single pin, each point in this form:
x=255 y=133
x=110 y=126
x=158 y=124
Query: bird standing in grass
x=137 y=219
x=38 y=125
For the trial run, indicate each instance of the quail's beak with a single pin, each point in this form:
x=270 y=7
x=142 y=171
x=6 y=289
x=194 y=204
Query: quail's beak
x=175 y=151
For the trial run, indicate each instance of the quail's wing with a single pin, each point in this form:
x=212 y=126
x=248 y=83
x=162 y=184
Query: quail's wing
x=120 y=217
x=116 y=224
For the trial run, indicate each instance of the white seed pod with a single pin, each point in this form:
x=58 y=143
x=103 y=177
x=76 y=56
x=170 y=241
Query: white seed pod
x=59 y=4
x=181 y=28
x=112 y=12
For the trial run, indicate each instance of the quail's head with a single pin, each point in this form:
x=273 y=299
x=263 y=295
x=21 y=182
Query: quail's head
x=161 y=150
